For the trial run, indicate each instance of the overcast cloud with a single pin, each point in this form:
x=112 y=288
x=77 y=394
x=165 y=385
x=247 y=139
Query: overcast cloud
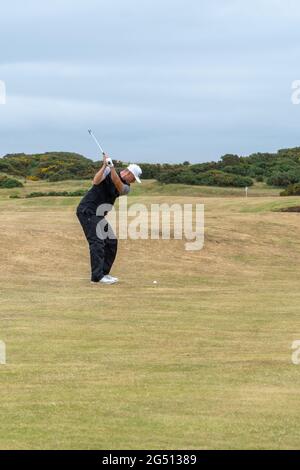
x=159 y=80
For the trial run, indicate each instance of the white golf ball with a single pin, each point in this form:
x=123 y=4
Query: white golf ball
x=154 y=282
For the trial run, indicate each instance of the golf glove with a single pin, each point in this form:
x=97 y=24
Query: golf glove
x=109 y=162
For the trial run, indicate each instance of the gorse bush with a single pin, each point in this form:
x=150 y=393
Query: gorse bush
x=291 y=190
x=8 y=183
x=208 y=178
x=79 y=192
x=53 y=166
x=284 y=178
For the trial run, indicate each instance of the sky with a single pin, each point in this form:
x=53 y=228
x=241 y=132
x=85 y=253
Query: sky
x=156 y=80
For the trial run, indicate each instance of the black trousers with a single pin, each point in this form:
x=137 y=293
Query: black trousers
x=102 y=251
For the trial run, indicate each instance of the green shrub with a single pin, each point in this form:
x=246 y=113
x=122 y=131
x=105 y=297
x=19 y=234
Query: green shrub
x=259 y=178
x=208 y=178
x=8 y=183
x=79 y=192
x=283 y=178
x=291 y=190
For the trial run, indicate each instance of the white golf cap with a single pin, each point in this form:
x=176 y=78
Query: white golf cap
x=136 y=171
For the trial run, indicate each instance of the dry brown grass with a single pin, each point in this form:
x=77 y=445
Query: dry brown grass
x=200 y=360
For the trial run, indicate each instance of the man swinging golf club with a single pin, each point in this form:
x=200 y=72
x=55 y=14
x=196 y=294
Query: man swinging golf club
x=108 y=185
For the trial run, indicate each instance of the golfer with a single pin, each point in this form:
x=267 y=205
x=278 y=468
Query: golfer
x=108 y=185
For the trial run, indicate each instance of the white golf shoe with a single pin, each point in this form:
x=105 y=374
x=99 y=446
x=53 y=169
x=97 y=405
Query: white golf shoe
x=112 y=277
x=108 y=280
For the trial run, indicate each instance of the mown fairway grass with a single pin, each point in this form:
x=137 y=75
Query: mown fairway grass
x=200 y=360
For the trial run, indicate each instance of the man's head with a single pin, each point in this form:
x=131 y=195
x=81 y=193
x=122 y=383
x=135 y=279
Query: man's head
x=132 y=173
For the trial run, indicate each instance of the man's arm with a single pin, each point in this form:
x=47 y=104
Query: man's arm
x=117 y=181
x=100 y=175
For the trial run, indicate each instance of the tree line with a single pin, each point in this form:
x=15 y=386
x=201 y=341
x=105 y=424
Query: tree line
x=281 y=169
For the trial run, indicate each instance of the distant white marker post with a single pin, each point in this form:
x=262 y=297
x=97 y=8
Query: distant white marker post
x=2 y=92
x=2 y=353
x=246 y=191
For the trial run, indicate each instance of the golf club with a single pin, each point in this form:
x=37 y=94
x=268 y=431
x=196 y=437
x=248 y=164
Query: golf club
x=108 y=159
x=97 y=143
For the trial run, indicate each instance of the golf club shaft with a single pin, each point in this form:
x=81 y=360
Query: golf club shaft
x=97 y=143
